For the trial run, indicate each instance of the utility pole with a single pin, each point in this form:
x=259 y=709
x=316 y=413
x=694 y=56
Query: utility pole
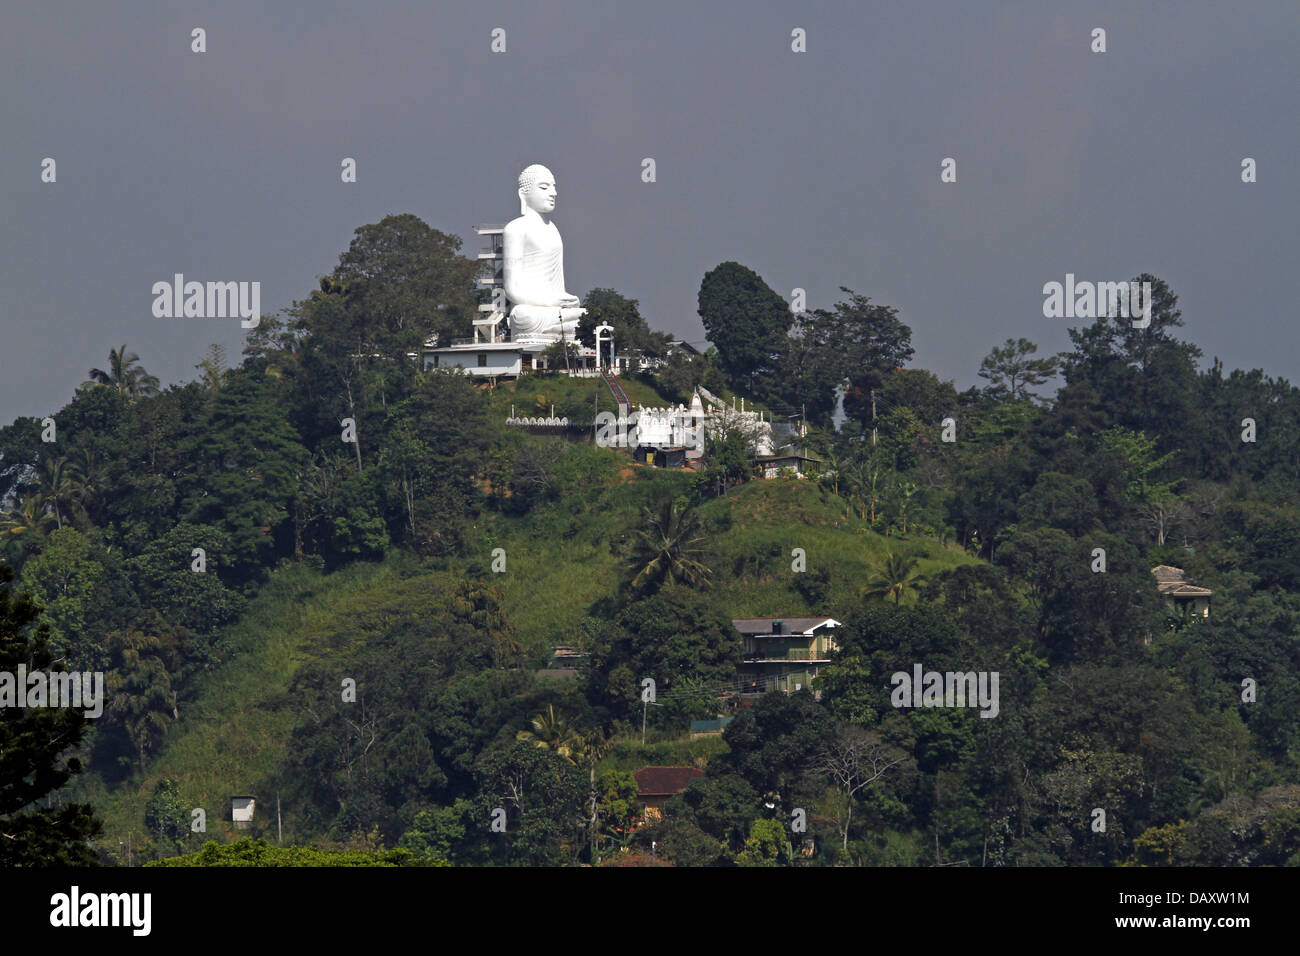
x=595 y=813
x=279 y=827
x=645 y=707
x=873 y=416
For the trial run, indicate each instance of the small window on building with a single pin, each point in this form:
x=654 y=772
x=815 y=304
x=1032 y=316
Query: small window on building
x=482 y=360
x=435 y=360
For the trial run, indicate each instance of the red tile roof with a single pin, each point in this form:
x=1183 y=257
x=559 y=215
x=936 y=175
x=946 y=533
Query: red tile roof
x=661 y=781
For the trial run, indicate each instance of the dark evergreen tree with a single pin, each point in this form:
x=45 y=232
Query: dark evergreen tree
x=35 y=744
x=747 y=322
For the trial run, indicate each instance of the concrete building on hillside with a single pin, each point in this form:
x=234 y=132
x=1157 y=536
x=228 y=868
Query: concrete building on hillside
x=784 y=654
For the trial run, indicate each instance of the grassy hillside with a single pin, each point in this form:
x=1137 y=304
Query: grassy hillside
x=534 y=395
x=231 y=739
x=559 y=561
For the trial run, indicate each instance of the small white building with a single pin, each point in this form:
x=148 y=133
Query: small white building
x=483 y=358
x=241 y=810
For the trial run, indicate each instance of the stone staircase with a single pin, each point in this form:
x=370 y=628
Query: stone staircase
x=616 y=389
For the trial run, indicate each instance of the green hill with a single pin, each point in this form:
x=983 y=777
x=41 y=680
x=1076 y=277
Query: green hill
x=232 y=739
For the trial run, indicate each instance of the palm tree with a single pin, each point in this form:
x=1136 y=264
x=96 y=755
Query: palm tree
x=590 y=747
x=905 y=490
x=862 y=477
x=56 y=485
x=667 y=550
x=28 y=516
x=834 y=470
x=480 y=605
x=551 y=731
x=125 y=375
x=87 y=479
x=894 y=578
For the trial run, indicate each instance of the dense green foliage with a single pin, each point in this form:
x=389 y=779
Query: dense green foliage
x=632 y=335
x=362 y=632
x=250 y=852
x=33 y=753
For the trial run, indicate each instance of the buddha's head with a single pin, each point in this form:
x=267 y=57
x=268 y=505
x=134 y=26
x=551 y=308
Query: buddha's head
x=536 y=190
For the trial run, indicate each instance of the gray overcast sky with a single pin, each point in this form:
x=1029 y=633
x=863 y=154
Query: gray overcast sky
x=816 y=169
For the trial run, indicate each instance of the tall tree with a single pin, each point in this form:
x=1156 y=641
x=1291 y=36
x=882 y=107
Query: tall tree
x=84 y=594
x=854 y=759
x=165 y=813
x=631 y=332
x=772 y=746
x=34 y=743
x=336 y=357
x=57 y=488
x=22 y=526
x=809 y=381
x=433 y=443
x=1156 y=501
x=677 y=638
x=89 y=480
x=1143 y=377
x=1012 y=370
x=360 y=334
x=139 y=689
x=869 y=342
x=552 y=731
x=214 y=368
x=409 y=281
x=543 y=797
x=747 y=322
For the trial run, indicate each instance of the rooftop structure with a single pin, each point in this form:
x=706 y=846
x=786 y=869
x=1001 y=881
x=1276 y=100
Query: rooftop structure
x=656 y=784
x=1173 y=584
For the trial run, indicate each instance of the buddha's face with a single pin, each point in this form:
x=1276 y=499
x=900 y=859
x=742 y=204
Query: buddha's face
x=539 y=194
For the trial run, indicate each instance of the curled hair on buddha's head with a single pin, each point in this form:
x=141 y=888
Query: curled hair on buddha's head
x=528 y=180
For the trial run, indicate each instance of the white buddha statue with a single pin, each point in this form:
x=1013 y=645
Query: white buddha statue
x=534 y=266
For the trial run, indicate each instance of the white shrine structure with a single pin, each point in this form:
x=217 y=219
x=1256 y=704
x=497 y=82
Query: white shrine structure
x=683 y=428
x=521 y=267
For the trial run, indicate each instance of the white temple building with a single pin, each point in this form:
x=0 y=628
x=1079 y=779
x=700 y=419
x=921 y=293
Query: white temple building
x=686 y=426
